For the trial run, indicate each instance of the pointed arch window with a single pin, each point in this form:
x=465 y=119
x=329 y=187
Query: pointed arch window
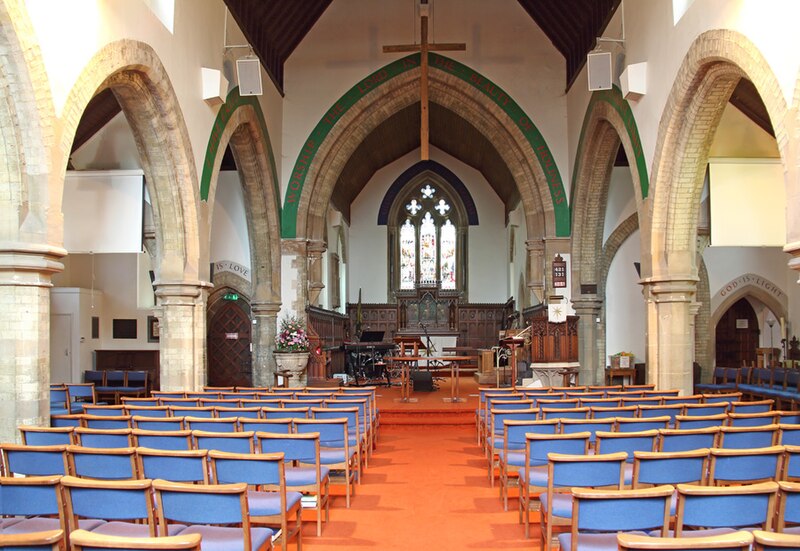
x=428 y=235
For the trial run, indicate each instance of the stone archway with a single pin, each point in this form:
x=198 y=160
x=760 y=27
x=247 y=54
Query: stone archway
x=710 y=71
x=240 y=124
x=608 y=124
x=132 y=70
x=391 y=89
x=31 y=231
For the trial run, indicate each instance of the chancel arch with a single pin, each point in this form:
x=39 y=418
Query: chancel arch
x=143 y=90
x=712 y=68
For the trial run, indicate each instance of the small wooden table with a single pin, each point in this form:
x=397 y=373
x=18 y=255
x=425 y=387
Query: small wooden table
x=405 y=373
x=622 y=372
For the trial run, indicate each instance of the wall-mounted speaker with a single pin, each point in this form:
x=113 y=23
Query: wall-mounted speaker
x=249 y=72
x=598 y=67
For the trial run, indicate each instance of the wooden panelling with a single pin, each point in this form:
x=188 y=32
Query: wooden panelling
x=137 y=360
x=329 y=330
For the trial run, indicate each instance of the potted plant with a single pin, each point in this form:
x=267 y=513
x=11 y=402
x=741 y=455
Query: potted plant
x=291 y=350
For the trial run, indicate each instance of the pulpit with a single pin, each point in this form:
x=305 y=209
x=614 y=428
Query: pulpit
x=554 y=350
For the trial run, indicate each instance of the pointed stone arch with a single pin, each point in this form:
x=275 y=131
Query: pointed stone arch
x=607 y=125
x=240 y=124
x=30 y=231
x=710 y=71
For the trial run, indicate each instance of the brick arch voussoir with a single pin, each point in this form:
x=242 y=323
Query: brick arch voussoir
x=140 y=82
x=243 y=133
x=710 y=70
x=611 y=246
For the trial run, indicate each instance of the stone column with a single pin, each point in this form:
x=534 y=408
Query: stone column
x=25 y=280
x=182 y=322
x=265 y=318
x=591 y=344
x=670 y=339
x=536 y=276
x=314 y=252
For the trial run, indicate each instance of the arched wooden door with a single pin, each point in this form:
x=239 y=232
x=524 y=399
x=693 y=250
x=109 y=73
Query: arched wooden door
x=229 y=338
x=737 y=335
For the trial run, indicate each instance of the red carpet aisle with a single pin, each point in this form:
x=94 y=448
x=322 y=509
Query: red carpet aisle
x=426 y=488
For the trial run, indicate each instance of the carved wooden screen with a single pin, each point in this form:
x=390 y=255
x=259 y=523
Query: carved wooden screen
x=229 y=337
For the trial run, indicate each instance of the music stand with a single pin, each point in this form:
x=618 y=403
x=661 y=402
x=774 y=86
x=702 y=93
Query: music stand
x=371 y=336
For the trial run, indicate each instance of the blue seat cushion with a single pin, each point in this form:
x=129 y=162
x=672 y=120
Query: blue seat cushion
x=269 y=503
x=332 y=457
x=590 y=542
x=133 y=530
x=700 y=533
x=562 y=504
x=515 y=459
x=222 y=538
x=535 y=476
x=40 y=524
x=304 y=476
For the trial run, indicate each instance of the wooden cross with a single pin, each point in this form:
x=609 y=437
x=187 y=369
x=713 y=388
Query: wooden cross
x=424 y=47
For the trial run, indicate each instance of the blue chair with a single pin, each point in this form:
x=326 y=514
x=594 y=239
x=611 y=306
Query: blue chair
x=103 y=438
x=598 y=515
x=564 y=413
x=46 y=436
x=335 y=450
x=695 y=399
x=748 y=437
x=270 y=503
x=753 y=419
x=221 y=402
x=724 y=398
x=511 y=459
x=190 y=466
x=704 y=409
x=662 y=393
x=672 y=410
x=139 y=401
x=496 y=433
x=262 y=403
x=758 y=406
x=135 y=410
x=108 y=390
x=240 y=412
x=282 y=413
x=158 y=423
x=22 y=460
x=774 y=541
x=180 y=401
x=678 y=440
x=700 y=421
x=356 y=440
x=744 y=466
x=364 y=416
x=46 y=540
x=95 y=377
x=567 y=472
x=592 y=426
x=71 y=420
x=82 y=540
x=303 y=471
x=227 y=424
x=80 y=394
x=59 y=401
x=103 y=409
x=681 y=467
x=628 y=442
x=284 y=425
x=103 y=463
x=789 y=507
x=482 y=411
x=723 y=379
x=533 y=475
x=735 y=541
x=593 y=401
x=191 y=411
x=106 y=421
x=136 y=384
x=124 y=507
x=600 y=412
x=233 y=442
x=791 y=463
x=638 y=424
x=210 y=510
x=714 y=510
x=163 y=440
x=33 y=504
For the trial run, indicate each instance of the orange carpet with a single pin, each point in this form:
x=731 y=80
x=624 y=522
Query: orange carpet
x=426 y=488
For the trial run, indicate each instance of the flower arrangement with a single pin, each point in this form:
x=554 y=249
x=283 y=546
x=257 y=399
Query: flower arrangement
x=292 y=336
x=618 y=354
x=621 y=359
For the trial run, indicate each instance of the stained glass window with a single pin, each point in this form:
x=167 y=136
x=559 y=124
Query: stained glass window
x=447 y=260
x=408 y=255
x=427 y=250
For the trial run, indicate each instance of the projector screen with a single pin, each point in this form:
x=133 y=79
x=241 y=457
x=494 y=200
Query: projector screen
x=103 y=211
x=748 y=203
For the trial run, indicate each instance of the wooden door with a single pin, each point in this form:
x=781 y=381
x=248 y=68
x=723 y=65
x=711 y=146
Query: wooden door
x=229 y=338
x=737 y=335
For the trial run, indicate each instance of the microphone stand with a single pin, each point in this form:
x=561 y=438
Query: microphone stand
x=427 y=346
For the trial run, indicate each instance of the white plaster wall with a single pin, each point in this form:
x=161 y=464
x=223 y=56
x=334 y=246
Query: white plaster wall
x=625 y=308
x=71 y=32
x=112 y=148
x=229 y=237
x=487 y=262
x=83 y=304
x=345 y=45
x=621 y=200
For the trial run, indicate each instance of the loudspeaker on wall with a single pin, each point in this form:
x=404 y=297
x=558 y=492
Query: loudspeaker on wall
x=598 y=66
x=249 y=73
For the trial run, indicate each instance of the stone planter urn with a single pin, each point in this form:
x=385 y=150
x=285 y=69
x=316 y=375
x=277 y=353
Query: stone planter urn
x=292 y=365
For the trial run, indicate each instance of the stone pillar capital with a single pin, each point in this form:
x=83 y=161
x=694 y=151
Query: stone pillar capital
x=535 y=245
x=28 y=264
x=265 y=309
x=587 y=306
x=180 y=292
x=671 y=289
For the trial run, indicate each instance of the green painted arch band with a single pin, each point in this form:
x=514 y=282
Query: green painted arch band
x=383 y=75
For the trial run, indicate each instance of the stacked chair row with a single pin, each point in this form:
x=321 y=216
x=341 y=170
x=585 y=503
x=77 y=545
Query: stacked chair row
x=779 y=383
x=210 y=516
